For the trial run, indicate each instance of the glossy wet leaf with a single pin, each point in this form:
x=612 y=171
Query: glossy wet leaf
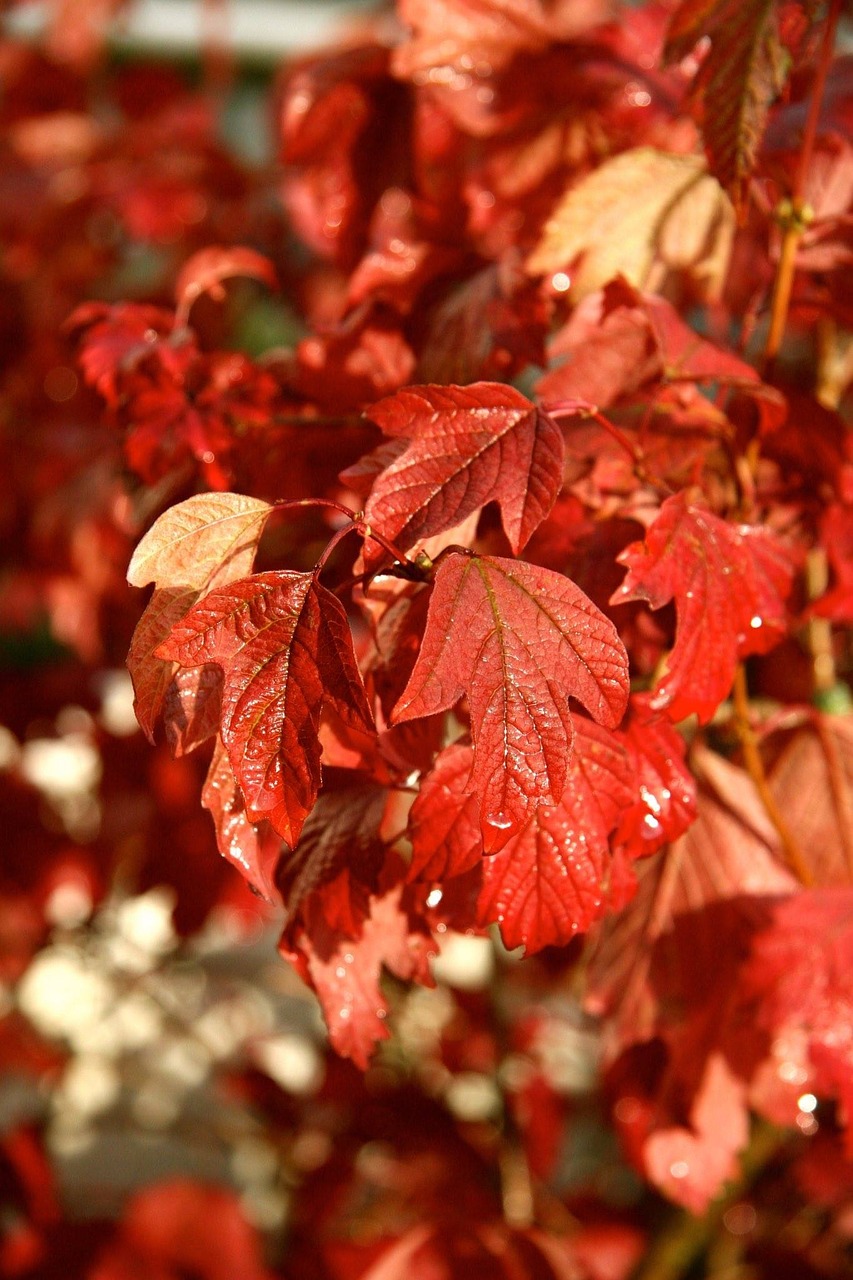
x=466 y=446
x=519 y=642
x=285 y=649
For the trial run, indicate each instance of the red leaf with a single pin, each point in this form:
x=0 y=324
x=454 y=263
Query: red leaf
x=284 y=645
x=341 y=833
x=248 y=847
x=443 y=822
x=666 y=804
x=801 y=976
x=691 y=1163
x=468 y=446
x=519 y=641
x=551 y=880
x=205 y=271
x=345 y=974
x=729 y=583
x=192 y=706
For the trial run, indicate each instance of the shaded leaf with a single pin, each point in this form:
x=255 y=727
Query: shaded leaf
x=741 y=75
x=345 y=973
x=467 y=446
x=283 y=643
x=729 y=583
x=151 y=675
x=552 y=879
x=341 y=833
x=519 y=641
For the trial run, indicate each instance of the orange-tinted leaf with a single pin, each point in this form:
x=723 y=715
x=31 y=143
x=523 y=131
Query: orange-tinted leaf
x=729 y=583
x=203 y=542
x=467 y=446
x=205 y=271
x=616 y=221
x=551 y=880
x=284 y=645
x=519 y=641
x=152 y=676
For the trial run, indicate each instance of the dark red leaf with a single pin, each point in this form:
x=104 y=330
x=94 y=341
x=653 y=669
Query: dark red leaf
x=341 y=833
x=729 y=583
x=284 y=645
x=467 y=446
x=519 y=641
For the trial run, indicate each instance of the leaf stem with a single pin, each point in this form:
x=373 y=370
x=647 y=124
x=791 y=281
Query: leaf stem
x=755 y=768
x=793 y=213
x=291 y=504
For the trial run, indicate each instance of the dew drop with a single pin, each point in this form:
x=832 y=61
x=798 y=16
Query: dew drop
x=340 y=972
x=755 y=622
x=344 y=1013
x=679 y=1169
x=500 y=821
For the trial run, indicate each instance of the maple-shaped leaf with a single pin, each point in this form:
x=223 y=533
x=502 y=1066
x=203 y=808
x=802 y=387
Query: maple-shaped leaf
x=203 y=542
x=284 y=646
x=205 y=271
x=444 y=824
x=740 y=76
x=252 y=849
x=812 y=780
x=519 y=641
x=729 y=583
x=635 y=209
x=467 y=446
x=345 y=973
x=551 y=880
